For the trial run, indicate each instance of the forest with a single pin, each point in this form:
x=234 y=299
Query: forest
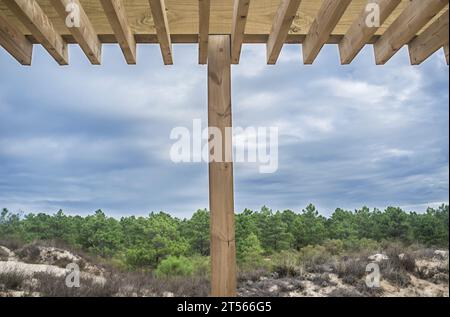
x=167 y=245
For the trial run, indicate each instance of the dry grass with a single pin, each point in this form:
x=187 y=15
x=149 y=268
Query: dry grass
x=29 y=254
x=3 y=255
x=11 y=280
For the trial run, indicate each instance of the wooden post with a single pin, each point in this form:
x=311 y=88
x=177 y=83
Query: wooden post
x=223 y=246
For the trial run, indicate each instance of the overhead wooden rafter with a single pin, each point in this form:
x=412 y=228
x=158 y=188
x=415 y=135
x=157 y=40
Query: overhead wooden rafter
x=310 y=23
x=416 y=15
x=280 y=28
x=37 y=22
x=159 y=15
x=328 y=17
x=446 y=52
x=15 y=42
x=116 y=13
x=240 y=13
x=84 y=33
x=361 y=31
x=430 y=40
x=204 y=9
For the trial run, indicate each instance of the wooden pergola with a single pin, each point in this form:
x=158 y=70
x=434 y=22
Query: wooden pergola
x=221 y=27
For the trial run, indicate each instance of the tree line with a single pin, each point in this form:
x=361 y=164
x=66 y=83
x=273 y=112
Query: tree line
x=143 y=242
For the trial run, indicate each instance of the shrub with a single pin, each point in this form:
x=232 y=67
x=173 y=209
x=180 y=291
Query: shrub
x=351 y=271
x=49 y=285
x=11 y=280
x=30 y=253
x=398 y=278
x=254 y=275
x=249 y=251
x=405 y=263
x=12 y=242
x=175 y=266
x=334 y=246
x=3 y=255
x=140 y=257
x=364 y=244
x=201 y=265
x=286 y=264
x=312 y=256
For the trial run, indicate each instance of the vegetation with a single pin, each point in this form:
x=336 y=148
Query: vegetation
x=180 y=247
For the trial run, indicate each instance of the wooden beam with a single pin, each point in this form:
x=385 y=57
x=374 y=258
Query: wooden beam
x=158 y=9
x=15 y=43
x=33 y=17
x=328 y=17
x=446 y=52
x=240 y=13
x=117 y=17
x=204 y=10
x=84 y=34
x=221 y=200
x=360 y=32
x=280 y=28
x=414 y=17
x=429 y=41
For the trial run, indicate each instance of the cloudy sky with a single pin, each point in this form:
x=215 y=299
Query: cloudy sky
x=85 y=137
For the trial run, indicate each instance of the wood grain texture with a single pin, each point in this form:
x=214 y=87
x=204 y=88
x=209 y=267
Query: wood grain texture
x=117 y=16
x=159 y=15
x=446 y=52
x=415 y=16
x=183 y=16
x=14 y=42
x=240 y=14
x=327 y=18
x=85 y=35
x=282 y=22
x=204 y=11
x=223 y=244
x=36 y=21
x=429 y=41
x=183 y=20
x=360 y=33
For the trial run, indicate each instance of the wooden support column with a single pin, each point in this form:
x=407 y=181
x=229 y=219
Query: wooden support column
x=221 y=200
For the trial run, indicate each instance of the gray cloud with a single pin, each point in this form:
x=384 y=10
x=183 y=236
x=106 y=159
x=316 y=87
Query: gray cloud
x=83 y=137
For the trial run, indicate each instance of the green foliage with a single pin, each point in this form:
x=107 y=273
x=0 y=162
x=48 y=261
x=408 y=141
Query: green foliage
x=249 y=252
x=334 y=246
x=175 y=266
x=313 y=255
x=145 y=242
x=196 y=230
x=310 y=228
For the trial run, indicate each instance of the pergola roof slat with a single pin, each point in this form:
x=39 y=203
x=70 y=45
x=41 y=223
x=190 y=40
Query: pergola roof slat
x=405 y=27
x=240 y=13
x=204 y=10
x=158 y=8
x=280 y=28
x=117 y=17
x=429 y=41
x=84 y=33
x=309 y=23
x=37 y=22
x=446 y=52
x=360 y=32
x=326 y=20
x=15 y=43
